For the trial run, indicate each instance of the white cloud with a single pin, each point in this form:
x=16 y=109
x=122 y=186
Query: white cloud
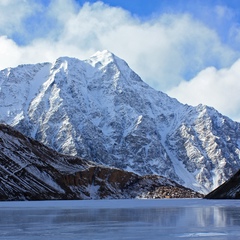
x=234 y=33
x=224 y=12
x=164 y=51
x=10 y=53
x=13 y=12
x=212 y=87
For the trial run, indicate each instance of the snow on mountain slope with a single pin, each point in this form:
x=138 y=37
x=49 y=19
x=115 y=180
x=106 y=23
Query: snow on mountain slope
x=101 y=110
x=31 y=171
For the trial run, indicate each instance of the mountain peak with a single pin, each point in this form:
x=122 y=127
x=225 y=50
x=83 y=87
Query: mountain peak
x=101 y=110
x=103 y=54
x=64 y=61
x=101 y=58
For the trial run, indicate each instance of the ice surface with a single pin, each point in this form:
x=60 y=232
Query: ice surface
x=121 y=219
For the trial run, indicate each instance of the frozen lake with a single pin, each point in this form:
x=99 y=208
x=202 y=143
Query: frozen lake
x=121 y=219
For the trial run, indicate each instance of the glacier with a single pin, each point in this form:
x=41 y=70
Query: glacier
x=101 y=110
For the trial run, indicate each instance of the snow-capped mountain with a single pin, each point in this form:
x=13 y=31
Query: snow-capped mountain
x=101 y=110
x=31 y=171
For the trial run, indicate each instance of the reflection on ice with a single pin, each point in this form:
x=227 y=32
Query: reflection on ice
x=210 y=234
x=121 y=219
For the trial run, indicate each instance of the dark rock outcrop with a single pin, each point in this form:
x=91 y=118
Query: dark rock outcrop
x=228 y=190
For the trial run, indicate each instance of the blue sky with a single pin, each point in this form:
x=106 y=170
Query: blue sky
x=189 y=49
x=201 y=10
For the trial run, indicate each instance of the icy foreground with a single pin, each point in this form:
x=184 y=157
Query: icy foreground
x=99 y=109
x=121 y=219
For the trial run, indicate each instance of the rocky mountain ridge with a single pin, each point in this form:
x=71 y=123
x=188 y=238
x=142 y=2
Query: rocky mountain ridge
x=228 y=190
x=100 y=110
x=31 y=171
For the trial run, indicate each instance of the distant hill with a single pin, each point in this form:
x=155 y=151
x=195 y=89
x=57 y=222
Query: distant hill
x=31 y=171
